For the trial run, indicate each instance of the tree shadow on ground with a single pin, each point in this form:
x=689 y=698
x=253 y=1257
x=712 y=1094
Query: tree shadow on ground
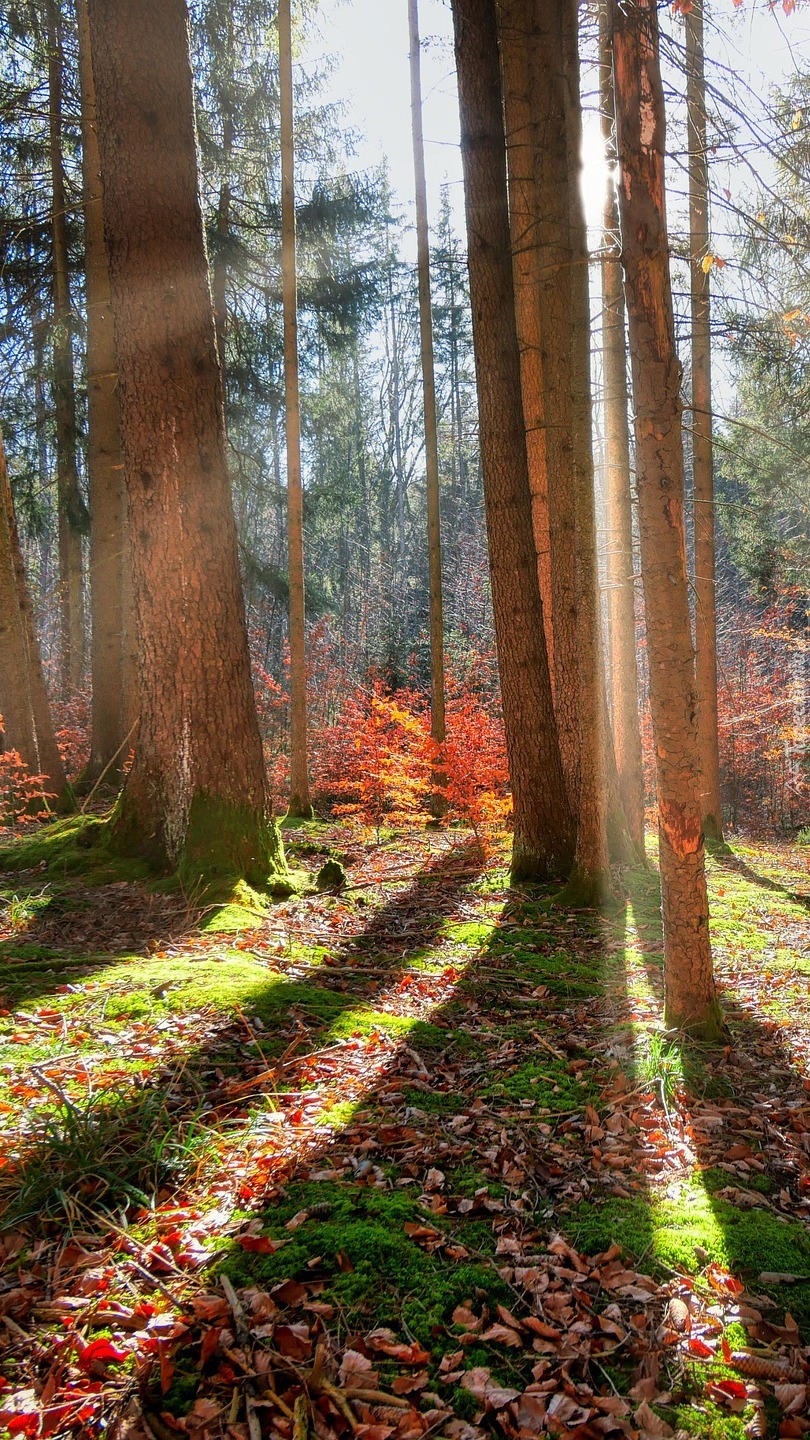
x=724 y=856
x=746 y=1111
x=271 y=1023
x=518 y=1094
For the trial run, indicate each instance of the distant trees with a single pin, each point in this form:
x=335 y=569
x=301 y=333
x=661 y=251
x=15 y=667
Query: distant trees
x=700 y=258
x=112 y=655
x=299 y=802
x=27 y=724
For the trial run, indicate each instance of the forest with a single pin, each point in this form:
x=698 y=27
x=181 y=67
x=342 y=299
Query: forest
x=404 y=720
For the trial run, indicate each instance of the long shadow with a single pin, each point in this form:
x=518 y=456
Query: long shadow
x=278 y=1018
x=747 y=1110
x=520 y=1098
x=724 y=856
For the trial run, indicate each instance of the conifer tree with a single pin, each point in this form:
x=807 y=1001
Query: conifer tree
x=543 y=829
x=197 y=796
x=689 y=991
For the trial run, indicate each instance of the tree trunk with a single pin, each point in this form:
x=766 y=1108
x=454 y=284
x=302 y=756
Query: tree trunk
x=522 y=142
x=109 y=543
x=590 y=879
x=23 y=698
x=620 y=563
x=703 y=479
x=543 y=829
x=555 y=261
x=689 y=990
x=300 y=804
x=72 y=514
x=437 y=720
x=196 y=797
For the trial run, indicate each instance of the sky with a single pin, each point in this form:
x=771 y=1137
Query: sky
x=368 y=40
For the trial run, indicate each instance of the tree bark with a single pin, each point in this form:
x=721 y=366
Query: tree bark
x=437 y=717
x=109 y=540
x=23 y=698
x=72 y=514
x=300 y=804
x=590 y=878
x=620 y=561
x=689 y=990
x=196 y=797
x=543 y=829
x=555 y=295
x=522 y=144
x=702 y=466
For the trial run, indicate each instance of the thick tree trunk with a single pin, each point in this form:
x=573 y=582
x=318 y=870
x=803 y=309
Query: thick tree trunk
x=620 y=562
x=196 y=797
x=690 y=999
x=543 y=839
x=72 y=515
x=23 y=698
x=522 y=143
x=702 y=468
x=590 y=879
x=437 y=719
x=300 y=804
x=109 y=542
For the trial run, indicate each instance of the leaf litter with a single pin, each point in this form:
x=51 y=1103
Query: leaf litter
x=125 y=1320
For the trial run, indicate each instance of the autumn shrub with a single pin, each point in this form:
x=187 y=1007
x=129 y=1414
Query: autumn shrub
x=23 y=796
x=472 y=762
x=71 y=718
x=375 y=763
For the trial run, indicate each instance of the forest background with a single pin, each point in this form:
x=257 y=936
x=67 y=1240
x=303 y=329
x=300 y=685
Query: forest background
x=366 y=557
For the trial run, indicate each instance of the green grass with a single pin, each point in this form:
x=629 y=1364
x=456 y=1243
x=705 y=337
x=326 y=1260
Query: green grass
x=78 y=1158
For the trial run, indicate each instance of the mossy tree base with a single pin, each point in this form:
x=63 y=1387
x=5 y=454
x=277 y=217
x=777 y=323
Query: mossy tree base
x=585 y=890
x=705 y=1025
x=534 y=863
x=224 y=842
x=299 y=809
x=713 y=828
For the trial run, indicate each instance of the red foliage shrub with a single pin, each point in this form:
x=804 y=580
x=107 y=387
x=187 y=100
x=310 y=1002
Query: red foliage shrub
x=71 y=720
x=22 y=795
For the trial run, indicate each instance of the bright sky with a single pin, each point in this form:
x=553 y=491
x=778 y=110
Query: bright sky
x=369 y=42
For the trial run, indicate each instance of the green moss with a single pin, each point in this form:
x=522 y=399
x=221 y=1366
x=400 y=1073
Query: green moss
x=391 y=1277
x=674 y=1231
x=548 y=1082
x=75 y=846
x=465 y=1406
x=231 y=841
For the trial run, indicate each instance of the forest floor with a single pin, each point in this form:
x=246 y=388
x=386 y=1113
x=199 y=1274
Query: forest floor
x=415 y=1159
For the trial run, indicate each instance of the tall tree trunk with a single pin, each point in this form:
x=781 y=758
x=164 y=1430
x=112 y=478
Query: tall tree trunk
x=620 y=563
x=109 y=541
x=437 y=718
x=702 y=468
x=689 y=990
x=72 y=516
x=299 y=776
x=23 y=698
x=555 y=260
x=219 y=276
x=395 y=412
x=196 y=797
x=590 y=879
x=522 y=143
x=543 y=829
